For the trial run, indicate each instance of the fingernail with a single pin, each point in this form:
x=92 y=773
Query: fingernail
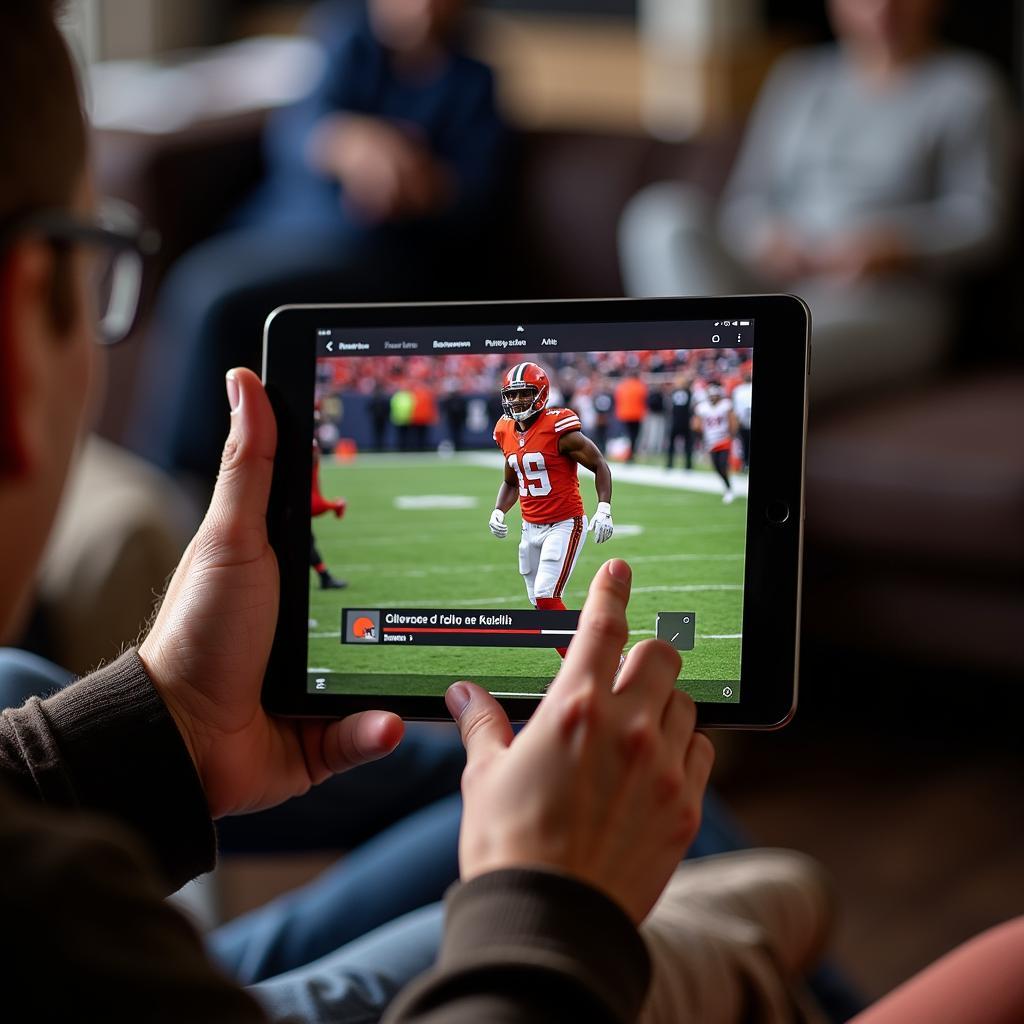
x=234 y=392
x=457 y=698
x=620 y=570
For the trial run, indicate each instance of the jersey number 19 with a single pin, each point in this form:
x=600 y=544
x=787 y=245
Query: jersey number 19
x=533 y=476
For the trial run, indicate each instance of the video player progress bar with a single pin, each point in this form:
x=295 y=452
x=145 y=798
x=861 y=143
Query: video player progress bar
x=464 y=630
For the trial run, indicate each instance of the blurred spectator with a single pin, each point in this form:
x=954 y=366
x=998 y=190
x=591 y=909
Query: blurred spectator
x=875 y=174
x=652 y=437
x=377 y=186
x=467 y=399
x=380 y=414
x=402 y=402
x=631 y=408
x=423 y=416
x=455 y=411
x=681 y=412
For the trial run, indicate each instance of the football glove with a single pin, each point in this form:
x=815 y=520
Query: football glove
x=601 y=524
x=497 y=524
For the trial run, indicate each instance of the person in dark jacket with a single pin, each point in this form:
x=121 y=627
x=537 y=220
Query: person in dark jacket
x=379 y=186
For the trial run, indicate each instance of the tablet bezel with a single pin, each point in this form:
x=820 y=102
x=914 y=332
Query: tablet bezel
x=772 y=578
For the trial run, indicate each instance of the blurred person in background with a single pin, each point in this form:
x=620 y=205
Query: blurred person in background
x=377 y=186
x=874 y=177
x=380 y=415
x=455 y=412
x=631 y=408
x=402 y=402
x=652 y=437
x=423 y=415
x=680 y=406
x=603 y=406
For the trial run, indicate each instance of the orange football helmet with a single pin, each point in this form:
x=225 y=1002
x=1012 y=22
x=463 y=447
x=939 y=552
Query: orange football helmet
x=524 y=391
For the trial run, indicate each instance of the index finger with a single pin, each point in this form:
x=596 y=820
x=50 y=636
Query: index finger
x=593 y=656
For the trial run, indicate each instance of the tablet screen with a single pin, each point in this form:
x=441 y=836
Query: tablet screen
x=420 y=432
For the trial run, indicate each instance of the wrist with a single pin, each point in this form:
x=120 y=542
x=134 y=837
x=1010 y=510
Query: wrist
x=159 y=676
x=604 y=507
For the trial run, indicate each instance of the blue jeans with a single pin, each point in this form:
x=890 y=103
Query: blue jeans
x=355 y=984
x=24 y=675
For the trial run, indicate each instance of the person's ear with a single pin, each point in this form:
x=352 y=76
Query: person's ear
x=26 y=275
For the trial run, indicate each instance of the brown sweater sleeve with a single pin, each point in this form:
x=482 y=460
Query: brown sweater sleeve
x=530 y=947
x=107 y=744
x=87 y=934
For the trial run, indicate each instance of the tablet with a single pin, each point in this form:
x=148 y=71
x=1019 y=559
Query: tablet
x=667 y=432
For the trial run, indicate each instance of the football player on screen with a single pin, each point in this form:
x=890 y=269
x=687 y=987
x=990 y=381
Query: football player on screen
x=715 y=420
x=318 y=506
x=542 y=449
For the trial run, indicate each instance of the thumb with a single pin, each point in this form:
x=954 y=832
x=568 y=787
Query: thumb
x=482 y=721
x=239 y=506
x=360 y=738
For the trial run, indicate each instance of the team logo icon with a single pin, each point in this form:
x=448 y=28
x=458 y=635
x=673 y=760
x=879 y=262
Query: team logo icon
x=362 y=627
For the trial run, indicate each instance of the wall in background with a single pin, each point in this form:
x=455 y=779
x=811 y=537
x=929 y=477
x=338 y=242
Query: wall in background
x=130 y=29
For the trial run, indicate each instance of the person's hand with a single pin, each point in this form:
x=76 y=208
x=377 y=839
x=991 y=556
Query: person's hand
x=497 y=525
x=207 y=650
x=605 y=782
x=601 y=524
x=863 y=254
x=385 y=173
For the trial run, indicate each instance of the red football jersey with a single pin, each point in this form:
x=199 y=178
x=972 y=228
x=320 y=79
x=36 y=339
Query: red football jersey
x=549 y=490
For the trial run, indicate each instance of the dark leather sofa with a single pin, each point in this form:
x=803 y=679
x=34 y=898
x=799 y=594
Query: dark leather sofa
x=915 y=498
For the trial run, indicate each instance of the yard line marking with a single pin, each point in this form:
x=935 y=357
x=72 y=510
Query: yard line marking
x=434 y=502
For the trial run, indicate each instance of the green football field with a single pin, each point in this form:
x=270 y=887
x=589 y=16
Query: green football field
x=415 y=535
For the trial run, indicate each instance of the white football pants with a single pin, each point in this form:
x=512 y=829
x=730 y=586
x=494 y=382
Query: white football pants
x=548 y=553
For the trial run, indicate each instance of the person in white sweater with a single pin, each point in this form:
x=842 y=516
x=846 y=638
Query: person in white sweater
x=875 y=173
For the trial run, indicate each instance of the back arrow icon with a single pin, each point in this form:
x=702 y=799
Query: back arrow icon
x=330 y=346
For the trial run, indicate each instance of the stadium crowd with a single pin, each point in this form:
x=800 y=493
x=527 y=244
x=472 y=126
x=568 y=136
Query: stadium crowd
x=636 y=396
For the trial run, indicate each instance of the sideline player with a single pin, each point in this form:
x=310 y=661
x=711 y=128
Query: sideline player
x=715 y=419
x=542 y=449
x=318 y=506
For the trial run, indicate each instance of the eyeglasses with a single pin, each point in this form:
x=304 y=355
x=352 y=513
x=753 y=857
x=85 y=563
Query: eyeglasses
x=122 y=243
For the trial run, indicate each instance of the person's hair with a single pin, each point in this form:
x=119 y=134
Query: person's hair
x=42 y=131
